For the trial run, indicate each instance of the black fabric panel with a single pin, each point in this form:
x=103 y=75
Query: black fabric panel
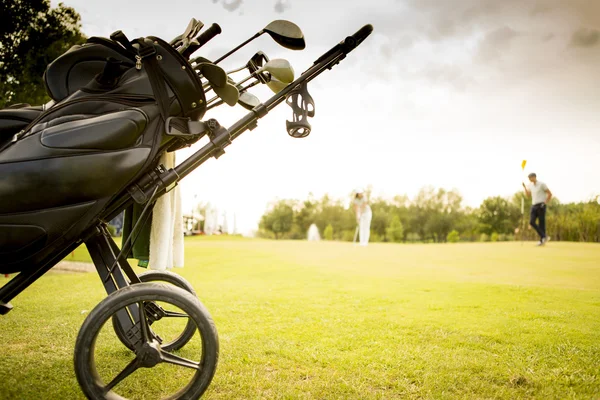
x=14 y=238
x=54 y=222
x=60 y=181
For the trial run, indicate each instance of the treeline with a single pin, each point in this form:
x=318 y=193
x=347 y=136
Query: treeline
x=433 y=216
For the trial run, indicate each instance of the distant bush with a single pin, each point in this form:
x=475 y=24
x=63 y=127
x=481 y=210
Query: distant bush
x=413 y=237
x=494 y=237
x=265 y=234
x=395 y=231
x=328 y=233
x=375 y=238
x=453 y=237
x=484 y=238
x=348 y=236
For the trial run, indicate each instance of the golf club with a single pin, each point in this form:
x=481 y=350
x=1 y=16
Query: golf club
x=255 y=63
x=278 y=68
x=248 y=101
x=245 y=101
x=275 y=85
x=213 y=74
x=285 y=33
x=201 y=40
x=228 y=93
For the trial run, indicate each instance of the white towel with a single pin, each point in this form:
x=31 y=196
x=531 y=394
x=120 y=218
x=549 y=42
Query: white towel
x=166 y=232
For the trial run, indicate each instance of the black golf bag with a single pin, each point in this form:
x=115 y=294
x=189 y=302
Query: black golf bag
x=60 y=167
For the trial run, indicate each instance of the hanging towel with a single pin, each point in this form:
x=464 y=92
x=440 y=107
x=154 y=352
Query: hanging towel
x=166 y=232
x=141 y=246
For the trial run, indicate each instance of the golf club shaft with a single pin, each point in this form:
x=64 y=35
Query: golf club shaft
x=238 y=47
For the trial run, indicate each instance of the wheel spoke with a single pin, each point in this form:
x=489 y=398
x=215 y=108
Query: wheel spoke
x=175 y=314
x=144 y=328
x=129 y=369
x=176 y=360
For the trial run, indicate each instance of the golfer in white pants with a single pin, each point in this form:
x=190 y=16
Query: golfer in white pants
x=363 y=216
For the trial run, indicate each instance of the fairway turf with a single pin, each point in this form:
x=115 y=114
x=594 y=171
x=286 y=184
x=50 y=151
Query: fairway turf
x=328 y=320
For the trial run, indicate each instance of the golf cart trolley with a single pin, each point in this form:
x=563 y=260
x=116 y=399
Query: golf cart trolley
x=68 y=167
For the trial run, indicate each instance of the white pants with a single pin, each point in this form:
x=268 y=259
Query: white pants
x=364 y=226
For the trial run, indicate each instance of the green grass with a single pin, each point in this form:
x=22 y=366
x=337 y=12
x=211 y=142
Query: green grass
x=307 y=320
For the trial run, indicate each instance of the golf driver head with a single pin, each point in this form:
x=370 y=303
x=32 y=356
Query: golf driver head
x=280 y=70
x=276 y=85
x=286 y=34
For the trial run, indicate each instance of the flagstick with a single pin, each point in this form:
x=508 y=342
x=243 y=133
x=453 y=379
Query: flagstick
x=523 y=163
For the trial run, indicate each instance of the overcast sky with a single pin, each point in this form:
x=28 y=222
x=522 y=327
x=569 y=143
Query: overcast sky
x=448 y=93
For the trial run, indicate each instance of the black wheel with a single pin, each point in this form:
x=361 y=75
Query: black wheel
x=173 y=342
x=99 y=358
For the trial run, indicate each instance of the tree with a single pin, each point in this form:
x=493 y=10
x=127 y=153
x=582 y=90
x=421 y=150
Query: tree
x=32 y=34
x=279 y=219
x=328 y=232
x=496 y=214
x=395 y=232
x=453 y=237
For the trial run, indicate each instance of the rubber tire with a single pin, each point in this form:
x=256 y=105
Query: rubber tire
x=85 y=370
x=190 y=328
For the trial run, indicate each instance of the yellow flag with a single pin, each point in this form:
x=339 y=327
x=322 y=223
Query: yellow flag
x=523 y=164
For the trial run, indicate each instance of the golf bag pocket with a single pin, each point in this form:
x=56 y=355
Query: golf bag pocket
x=113 y=131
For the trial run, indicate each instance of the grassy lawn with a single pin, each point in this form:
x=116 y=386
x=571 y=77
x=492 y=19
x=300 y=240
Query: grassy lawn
x=321 y=320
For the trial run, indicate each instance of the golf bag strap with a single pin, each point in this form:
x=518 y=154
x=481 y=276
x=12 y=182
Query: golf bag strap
x=147 y=54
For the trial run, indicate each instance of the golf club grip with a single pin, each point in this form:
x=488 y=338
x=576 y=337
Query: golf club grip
x=208 y=34
x=202 y=39
x=362 y=34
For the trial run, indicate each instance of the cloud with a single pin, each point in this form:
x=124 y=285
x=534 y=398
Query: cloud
x=495 y=43
x=231 y=5
x=447 y=75
x=585 y=37
x=281 y=6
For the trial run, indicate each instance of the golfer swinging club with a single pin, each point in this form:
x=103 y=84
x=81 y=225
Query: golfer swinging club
x=363 y=216
x=540 y=197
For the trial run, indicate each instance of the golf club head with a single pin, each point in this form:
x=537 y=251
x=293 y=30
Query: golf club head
x=280 y=70
x=213 y=74
x=228 y=93
x=248 y=100
x=286 y=34
x=257 y=61
x=199 y=60
x=275 y=85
